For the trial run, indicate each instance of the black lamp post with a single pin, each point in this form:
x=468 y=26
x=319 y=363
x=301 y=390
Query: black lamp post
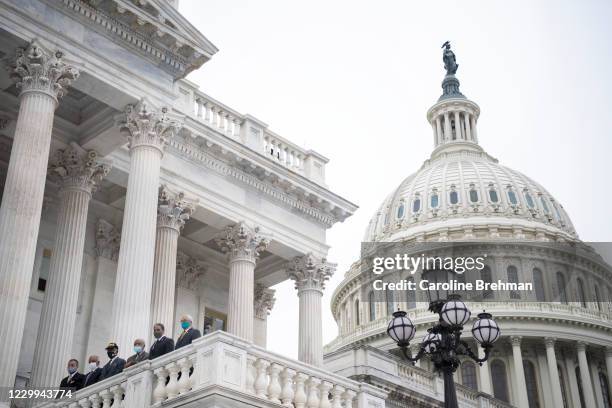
x=443 y=341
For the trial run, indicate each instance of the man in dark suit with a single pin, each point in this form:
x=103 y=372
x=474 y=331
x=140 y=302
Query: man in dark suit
x=115 y=364
x=75 y=379
x=140 y=354
x=189 y=334
x=162 y=345
x=95 y=371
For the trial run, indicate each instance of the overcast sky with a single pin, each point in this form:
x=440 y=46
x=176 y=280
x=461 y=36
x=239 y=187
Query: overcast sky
x=353 y=80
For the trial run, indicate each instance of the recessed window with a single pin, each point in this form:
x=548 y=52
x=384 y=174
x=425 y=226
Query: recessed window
x=544 y=205
x=400 y=210
x=454 y=197
x=512 y=273
x=529 y=200
x=512 y=197
x=435 y=200
x=493 y=196
x=416 y=205
x=473 y=196
x=557 y=212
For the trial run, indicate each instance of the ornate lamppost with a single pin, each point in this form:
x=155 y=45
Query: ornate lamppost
x=443 y=341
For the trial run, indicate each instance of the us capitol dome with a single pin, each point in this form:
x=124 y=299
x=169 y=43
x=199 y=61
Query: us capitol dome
x=556 y=344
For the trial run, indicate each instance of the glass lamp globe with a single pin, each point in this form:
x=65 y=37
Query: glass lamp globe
x=485 y=330
x=434 y=340
x=455 y=312
x=401 y=329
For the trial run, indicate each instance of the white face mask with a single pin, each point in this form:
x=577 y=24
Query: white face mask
x=92 y=366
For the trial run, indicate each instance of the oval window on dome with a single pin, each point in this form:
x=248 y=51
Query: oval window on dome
x=400 y=210
x=416 y=205
x=557 y=212
x=529 y=200
x=454 y=197
x=544 y=205
x=474 y=196
x=435 y=201
x=512 y=197
x=493 y=196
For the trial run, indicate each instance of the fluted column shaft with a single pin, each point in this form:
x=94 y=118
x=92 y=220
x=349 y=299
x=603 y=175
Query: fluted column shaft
x=240 y=301
x=609 y=367
x=485 y=375
x=458 y=131
x=448 y=134
x=585 y=375
x=553 y=372
x=132 y=298
x=519 y=373
x=41 y=78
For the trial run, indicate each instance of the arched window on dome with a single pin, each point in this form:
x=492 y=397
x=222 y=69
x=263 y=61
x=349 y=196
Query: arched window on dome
x=473 y=194
x=493 y=197
x=411 y=296
x=434 y=200
x=580 y=390
x=372 y=306
x=468 y=375
x=390 y=301
x=532 y=385
x=485 y=276
x=400 y=210
x=561 y=288
x=538 y=284
x=563 y=388
x=416 y=205
x=544 y=205
x=581 y=293
x=512 y=273
x=557 y=212
x=597 y=297
x=512 y=199
x=500 y=385
x=357 y=320
x=453 y=197
x=529 y=199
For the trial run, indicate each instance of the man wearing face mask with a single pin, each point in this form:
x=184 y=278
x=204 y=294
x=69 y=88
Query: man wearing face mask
x=95 y=371
x=189 y=334
x=115 y=364
x=75 y=379
x=141 y=355
x=162 y=344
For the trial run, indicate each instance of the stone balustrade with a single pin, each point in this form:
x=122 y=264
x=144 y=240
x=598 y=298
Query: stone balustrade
x=249 y=131
x=220 y=365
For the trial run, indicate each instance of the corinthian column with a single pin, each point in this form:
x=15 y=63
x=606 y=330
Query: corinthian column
x=585 y=376
x=519 y=373
x=172 y=212
x=243 y=245
x=77 y=173
x=553 y=372
x=41 y=78
x=146 y=130
x=263 y=303
x=310 y=274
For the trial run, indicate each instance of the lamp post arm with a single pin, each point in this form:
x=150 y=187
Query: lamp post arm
x=467 y=351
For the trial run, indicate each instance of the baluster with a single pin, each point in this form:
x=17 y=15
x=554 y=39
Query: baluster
x=221 y=121
x=207 y=108
x=261 y=382
x=117 y=391
x=199 y=105
x=325 y=387
x=236 y=127
x=95 y=401
x=172 y=387
x=274 y=387
x=337 y=392
x=106 y=398
x=250 y=374
x=159 y=393
x=313 y=393
x=287 y=393
x=184 y=383
x=229 y=130
x=349 y=395
x=85 y=403
x=300 y=392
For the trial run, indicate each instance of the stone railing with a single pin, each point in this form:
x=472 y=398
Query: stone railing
x=416 y=384
x=249 y=131
x=220 y=365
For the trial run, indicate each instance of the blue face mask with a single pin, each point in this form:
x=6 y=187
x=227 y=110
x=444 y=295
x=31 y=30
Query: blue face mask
x=71 y=370
x=137 y=349
x=185 y=325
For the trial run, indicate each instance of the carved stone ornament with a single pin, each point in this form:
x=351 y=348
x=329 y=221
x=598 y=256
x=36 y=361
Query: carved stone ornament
x=146 y=125
x=242 y=241
x=36 y=69
x=107 y=240
x=310 y=272
x=173 y=209
x=263 y=300
x=190 y=272
x=75 y=167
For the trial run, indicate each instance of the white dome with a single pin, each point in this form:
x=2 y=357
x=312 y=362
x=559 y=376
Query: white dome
x=476 y=198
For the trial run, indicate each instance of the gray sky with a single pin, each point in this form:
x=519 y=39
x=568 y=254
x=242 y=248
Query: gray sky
x=353 y=80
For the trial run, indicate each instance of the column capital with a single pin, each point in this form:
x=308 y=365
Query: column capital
x=310 y=272
x=609 y=351
x=516 y=341
x=38 y=70
x=242 y=241
x=107 y=240
x=581 y=346
x=145 y=125
x=190 y=271
x=550 y=341
x=77 y=168
x=263 y=301
x=173 y=209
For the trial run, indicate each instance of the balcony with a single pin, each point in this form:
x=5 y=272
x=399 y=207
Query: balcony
x=226 y=370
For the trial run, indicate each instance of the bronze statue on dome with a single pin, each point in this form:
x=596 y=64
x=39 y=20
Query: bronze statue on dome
x=450 y=62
